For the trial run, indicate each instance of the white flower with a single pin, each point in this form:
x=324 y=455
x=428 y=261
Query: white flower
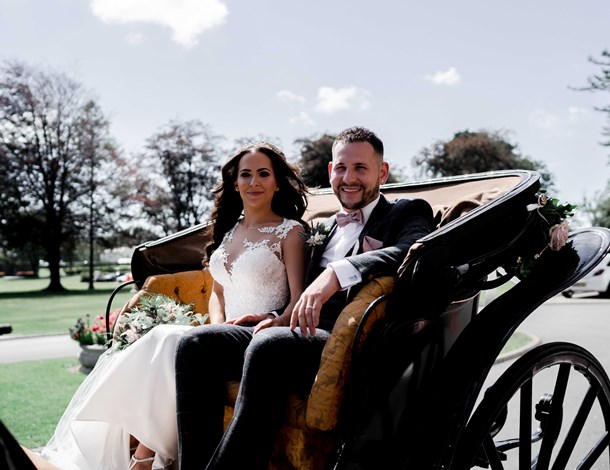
x=317 y=235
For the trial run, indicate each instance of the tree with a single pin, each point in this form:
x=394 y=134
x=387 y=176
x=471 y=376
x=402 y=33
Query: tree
x=474 y=152
x=178 y=170
x=99 y=153
x=598 y=208
x=315 y=153
x=41 y=114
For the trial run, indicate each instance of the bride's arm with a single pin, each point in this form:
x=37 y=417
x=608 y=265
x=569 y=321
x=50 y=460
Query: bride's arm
x=216 y=304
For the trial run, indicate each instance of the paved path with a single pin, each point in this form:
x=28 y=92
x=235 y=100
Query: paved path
x=16 y=348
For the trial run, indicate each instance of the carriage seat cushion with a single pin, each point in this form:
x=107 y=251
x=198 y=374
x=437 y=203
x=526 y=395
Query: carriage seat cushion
x=445 y=213
x=326 y=396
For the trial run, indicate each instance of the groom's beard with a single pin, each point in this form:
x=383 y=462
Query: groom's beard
x=368 y=195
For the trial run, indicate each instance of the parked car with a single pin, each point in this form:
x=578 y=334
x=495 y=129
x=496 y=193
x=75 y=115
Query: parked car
x=598 y=280
x=101 y=276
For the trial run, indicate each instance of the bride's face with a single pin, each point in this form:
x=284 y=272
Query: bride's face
x=256 y=181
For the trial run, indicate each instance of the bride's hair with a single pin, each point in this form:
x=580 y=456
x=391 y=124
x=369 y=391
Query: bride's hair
x=290 y=201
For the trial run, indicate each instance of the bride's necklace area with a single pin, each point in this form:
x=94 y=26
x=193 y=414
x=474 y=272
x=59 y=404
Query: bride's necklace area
x=258 y=226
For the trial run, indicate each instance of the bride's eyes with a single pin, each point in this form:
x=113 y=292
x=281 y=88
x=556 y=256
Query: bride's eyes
x=261 y=174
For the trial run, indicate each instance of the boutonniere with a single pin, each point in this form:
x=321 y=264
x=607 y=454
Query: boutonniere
x=550 y=228
x=316 y=236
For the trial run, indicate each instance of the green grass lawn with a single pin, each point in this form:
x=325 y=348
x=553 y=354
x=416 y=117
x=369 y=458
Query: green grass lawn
x=30 y=310
x=34 y=396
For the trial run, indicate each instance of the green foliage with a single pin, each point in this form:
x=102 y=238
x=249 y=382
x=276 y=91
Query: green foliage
x=475 y=152
x=549 y=230
x=598 y=208
x=315 y=157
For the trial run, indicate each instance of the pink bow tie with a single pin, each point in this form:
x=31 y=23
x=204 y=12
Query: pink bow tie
x=345 y=218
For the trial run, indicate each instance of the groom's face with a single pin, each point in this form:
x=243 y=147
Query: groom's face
x=356 y=173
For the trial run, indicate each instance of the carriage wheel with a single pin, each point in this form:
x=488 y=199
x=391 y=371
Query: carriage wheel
x=509 y=430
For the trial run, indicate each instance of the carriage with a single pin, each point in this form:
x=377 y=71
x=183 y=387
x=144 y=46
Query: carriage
x=402 y=381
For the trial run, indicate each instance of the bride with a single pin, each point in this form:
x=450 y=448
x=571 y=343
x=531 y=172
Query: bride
x=123 y=416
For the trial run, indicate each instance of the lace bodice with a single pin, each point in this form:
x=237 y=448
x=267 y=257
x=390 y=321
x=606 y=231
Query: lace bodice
x=249 y=266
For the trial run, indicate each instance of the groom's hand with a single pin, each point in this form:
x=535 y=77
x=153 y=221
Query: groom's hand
x=249 y=319
x=306 y=313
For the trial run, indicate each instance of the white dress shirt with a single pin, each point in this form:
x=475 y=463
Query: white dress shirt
x=346 y=239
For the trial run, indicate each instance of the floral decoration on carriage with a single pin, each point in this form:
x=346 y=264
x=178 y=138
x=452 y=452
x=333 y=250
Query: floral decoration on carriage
x=549 y=230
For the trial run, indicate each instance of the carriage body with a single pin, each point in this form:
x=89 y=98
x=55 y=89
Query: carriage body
x=416 y=410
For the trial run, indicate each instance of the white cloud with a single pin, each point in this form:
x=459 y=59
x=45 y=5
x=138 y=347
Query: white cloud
x=544 y=119
x=331 y=100
x=303 y=118
x=288 y=96
x=135 y=39
x=577 y=114
x=448 y=77
x=186 y=18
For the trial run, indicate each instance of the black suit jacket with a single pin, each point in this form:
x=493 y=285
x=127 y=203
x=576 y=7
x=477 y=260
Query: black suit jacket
x=397 y=225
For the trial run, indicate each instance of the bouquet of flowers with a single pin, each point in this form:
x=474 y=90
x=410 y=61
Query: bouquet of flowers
x=550 y=229
x=153 y=310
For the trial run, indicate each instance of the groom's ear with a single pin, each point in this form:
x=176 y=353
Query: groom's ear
x=384 y=172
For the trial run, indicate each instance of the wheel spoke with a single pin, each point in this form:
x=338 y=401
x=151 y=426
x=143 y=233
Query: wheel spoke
x=554 y=419
x=491 y=452
x=594 y=454
x=577 y=425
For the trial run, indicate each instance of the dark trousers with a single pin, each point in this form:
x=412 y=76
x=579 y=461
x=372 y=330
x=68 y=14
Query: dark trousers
x=271 y=364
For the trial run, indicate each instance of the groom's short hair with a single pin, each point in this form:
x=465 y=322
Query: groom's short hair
x=360 y=134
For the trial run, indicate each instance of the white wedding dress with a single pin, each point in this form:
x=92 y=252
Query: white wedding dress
x=132 y=392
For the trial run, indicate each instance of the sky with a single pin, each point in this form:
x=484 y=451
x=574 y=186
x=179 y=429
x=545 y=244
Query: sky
x=415 y=72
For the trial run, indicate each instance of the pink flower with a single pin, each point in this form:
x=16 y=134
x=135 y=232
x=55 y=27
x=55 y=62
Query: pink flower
x=113 y=316
x=558 y=235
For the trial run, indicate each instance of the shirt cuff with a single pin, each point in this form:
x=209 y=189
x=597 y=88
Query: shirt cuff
x=346 y=273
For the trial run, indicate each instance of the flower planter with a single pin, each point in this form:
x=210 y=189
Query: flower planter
x=89 y=354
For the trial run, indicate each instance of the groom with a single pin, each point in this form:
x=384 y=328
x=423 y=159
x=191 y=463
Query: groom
x=368 y=238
